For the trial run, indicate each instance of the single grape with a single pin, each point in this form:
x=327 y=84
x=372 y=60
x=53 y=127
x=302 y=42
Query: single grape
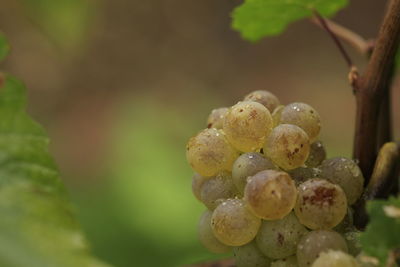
x=287 y=146
x=206 y=235
x=346 y=173
x=197 y=182
x=317 y=154
x=250 y=256
x=276 y=115
x=278 y=239
x=347 y=224
x=304 y=116
x=315 y=242
x=247 y=165
x=266 y=98
x=216 y=118
x=320 y=204
x=270 y=194
x=217 y=189
x=335 y=258
x=209 y=152
x=286 y=262
x=247 y=125
x=233 y=224
x=353 y=243
x=301 y=174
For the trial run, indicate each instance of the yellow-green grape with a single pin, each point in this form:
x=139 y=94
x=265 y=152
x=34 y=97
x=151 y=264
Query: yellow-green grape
x=276 y=115
x=206 y=235
x=305 y=117
x=335 y=258
x=233 y=224
x=301 y=174
x=286 y=262
x=266 y=98
x=247 y=165
x=346 y=173
x=347 y=224
x=287 y=146
x=197 y=182
x=315 y=242
x=217 y=189
x=247 y=125
x=209 y=152
x=278 y=239
x=270 y=194
x=250 y=256
x=367 y=261
x=353 y=243
x=317 y=154
x=320 y=204
x=216 y=118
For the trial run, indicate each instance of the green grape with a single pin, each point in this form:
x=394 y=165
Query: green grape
x=250 y=256
x=216 y=118
x=320 y=204
x=317 y=154
x=305 y=117
x=209 y=152
x=346 y=173
x=233 y=224
x=287 y=146
x=217 y=189
x=276 y=115
x=367 y=261
x=286 y=262
x=270 y=194
x=278 y=239
x=197 y=182
x=247 y=125
x=353 y=243
x=206 y=235
x=335 y=258
x=247 y=165
x=315 y=242
x=347 y=223
x=266 y=98
x=300 y=175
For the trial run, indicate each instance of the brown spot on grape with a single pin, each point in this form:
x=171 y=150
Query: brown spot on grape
x=296 y=150
x=281 y=238
x=241 y=110
x=321 y=195
x=209 y=125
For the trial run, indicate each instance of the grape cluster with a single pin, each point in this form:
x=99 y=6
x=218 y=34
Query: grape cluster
x=272 y=197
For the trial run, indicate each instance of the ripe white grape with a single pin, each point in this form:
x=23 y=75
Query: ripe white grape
x=209 y=152
x=287 y=146
x=317 y=154
x=233 y=224
x=250 y=256
x=206 y=235
x=217 y=189
x=266 y=98
x=315 y=242
x=286 y=262
x=276 y=115
x=247 y=165
x=197 y=182
x=335 y=258
x=304 y=116
x=301 y=174
x=247 y=125
x=320 y=204
x=270 y=194
x=346 y=173
x=216 y=118
x=278 y=239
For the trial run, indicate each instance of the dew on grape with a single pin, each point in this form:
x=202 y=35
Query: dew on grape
x=216 y=118
x=317 y=154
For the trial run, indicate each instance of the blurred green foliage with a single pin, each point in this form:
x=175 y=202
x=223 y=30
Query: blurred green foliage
x=4 y=47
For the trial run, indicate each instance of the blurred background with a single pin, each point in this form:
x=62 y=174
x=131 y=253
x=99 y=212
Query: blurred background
x=121 y=85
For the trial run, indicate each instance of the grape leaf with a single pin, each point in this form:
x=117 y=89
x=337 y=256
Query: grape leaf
x=4 y=47
x=382 y=235
x=255 y=19
x=37 y=224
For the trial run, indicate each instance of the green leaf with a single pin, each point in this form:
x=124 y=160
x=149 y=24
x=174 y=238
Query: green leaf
x=255 y=19
x=4 y=47
x=37 y=224
x=383 y=231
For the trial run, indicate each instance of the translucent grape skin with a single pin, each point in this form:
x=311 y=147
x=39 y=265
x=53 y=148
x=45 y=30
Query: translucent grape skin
x=278 y=239
x=317 y=154
x=233 y=224
x=301 y=174
x=286 y=262
x=269 y=100
x=287 y=146
x=335 y=258
x=315 y=242
x=247 y=165
x=247 y=125
x=197 y=182
x=270 y=194
x=346 y=173
x=206 y=235
x=276 y=115
x=250 y=256
x=320 y=204
x=209 y=153
x=304 y=116
x=216 y=118
x=217 y=189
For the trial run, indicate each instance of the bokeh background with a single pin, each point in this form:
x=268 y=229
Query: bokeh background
x=121 y=85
